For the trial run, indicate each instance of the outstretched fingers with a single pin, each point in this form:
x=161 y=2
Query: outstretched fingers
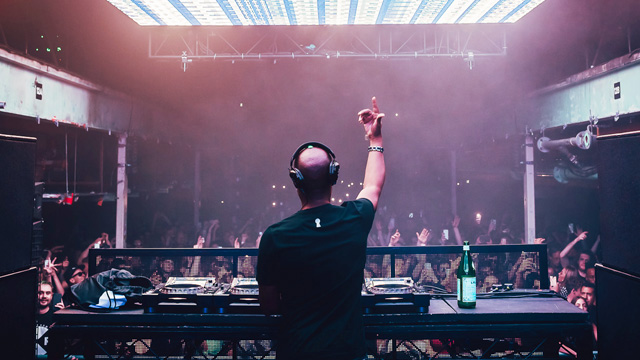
x=376 y=110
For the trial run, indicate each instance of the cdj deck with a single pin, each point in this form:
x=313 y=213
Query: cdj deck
x=393 y=296
x=195 y=295
x=203 y=295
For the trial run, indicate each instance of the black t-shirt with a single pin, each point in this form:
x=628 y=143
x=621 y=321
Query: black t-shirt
x=43 y=322
x=316 y=260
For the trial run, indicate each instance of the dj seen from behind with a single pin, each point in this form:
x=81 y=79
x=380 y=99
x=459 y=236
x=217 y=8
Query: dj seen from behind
x=322 y=244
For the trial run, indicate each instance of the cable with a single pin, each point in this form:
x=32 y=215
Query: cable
x=66 y=162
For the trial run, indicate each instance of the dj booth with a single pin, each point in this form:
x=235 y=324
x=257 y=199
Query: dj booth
x=519 y=323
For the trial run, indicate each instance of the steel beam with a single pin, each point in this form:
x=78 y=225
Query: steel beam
x=424 y=42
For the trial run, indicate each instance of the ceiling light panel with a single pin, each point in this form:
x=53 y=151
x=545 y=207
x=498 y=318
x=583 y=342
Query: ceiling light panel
x=322 y=12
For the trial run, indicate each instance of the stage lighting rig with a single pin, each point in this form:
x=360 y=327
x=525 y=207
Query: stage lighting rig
x=582 y=141
x=575 y=169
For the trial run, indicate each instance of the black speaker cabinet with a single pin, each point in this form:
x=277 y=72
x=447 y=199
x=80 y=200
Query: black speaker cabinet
x=619 y=177
x=617 y=295
x=17 y=167
x=18 y=314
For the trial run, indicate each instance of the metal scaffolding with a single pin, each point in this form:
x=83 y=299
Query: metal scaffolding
x=368 y=43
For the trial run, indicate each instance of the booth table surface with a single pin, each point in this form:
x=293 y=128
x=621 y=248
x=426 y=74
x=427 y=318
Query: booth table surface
x=535 y=316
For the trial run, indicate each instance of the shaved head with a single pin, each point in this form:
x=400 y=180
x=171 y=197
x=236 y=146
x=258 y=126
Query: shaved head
x=313 y=163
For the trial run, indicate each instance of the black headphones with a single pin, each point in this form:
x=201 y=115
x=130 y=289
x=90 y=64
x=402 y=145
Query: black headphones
x=296 y=175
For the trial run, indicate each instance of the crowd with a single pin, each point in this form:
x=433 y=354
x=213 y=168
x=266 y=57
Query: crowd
x=570 y=260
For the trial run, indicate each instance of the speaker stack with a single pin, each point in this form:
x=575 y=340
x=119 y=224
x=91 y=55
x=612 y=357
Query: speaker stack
x=17 y=278
x=618 y=276
x=37 y=235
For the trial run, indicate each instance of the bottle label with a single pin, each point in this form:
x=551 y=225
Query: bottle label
x=465 y=248
x=467 y=289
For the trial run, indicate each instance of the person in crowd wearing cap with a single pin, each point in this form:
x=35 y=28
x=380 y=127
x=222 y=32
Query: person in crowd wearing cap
x=311 y=264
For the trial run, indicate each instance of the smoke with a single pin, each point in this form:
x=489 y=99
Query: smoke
x=247 y=117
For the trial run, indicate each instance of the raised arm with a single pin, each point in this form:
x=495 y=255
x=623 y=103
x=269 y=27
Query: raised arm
x=374 y=173
x=594 y=248
x=194 y=269
x=565 y=251
x=211 y=232
x=456 y=231
x=51 y=272
x=83 y=258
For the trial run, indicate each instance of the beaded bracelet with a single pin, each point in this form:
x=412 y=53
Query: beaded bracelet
x=376 y=148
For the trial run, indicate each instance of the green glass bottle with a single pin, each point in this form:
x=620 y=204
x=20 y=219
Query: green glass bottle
x=466 y=280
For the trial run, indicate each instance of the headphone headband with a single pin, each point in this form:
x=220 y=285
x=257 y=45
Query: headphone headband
x=309 y=145
x=296 y=175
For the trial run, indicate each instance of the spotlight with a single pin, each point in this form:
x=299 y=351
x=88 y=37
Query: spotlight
x=185 y=61
x=68 y=199
x=2 y=104
x=470 y=58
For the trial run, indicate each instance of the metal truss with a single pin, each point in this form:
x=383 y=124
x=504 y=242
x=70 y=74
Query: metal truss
x=370 y=43
x=513 y=348
x=183 y=349
x=494 y=348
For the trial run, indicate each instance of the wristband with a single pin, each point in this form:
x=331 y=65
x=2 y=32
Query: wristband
x=375 y=148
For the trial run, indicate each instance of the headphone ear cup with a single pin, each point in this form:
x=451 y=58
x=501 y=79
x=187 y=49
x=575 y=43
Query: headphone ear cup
x=296 y=177
x=334 y=169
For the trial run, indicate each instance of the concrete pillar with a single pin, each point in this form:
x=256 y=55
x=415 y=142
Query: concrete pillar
x=121 y=193
x=529 y=192
x=454 y=186
x=196 y=189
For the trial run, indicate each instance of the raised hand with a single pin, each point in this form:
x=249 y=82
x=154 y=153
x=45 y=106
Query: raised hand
x=372 y=120
x=395 y=238
x=199 y=243
x=422 y=237
x=51 y=267
x=392 y=224
x=456 y=221
x=582 y=236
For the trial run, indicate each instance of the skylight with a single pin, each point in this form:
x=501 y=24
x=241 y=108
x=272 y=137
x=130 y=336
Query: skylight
x=323 y=12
